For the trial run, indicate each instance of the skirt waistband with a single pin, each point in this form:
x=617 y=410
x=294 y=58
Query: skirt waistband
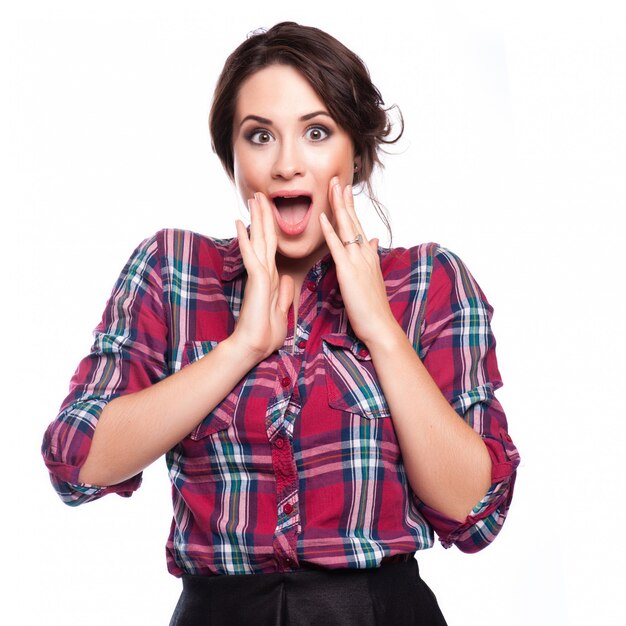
x=391 y=594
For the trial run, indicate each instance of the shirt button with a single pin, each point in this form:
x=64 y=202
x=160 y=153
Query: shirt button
x=302 y=344
x=311 y=286
x=287 y=509
x=279 y=442
x=363 y=352
x=285 y=382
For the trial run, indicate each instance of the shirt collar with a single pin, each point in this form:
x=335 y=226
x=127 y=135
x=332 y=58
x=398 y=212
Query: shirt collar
x=233 y=263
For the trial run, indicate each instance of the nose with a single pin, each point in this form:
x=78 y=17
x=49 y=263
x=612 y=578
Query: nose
x=288 y=162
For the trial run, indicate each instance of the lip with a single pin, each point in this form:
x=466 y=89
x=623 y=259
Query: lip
x=300 y=227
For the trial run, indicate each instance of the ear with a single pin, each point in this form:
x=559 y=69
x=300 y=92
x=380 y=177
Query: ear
x=357 y=173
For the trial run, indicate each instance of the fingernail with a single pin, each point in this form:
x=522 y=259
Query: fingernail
x=335 y=181
x=349 y=188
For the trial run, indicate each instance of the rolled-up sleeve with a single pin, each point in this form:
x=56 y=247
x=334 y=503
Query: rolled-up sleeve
x=128 y=354
x=457 y=347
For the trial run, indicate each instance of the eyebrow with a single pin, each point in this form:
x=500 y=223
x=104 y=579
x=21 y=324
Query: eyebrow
x=265 y=120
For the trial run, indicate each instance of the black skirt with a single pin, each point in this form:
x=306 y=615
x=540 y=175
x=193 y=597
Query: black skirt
x=391 y=595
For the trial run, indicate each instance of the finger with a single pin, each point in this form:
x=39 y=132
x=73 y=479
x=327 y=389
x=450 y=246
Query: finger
x=334 y=243
x=253 y=226
x=345 y=227
x=286 y=292
x=245 y=247
x=269 y=230
x=257 y=236
x=348 y=199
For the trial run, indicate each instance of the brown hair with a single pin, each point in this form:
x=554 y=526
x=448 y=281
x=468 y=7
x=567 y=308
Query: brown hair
x=338 y=76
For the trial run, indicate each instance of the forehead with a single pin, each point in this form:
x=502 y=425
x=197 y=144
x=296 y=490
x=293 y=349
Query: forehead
x=277 y=90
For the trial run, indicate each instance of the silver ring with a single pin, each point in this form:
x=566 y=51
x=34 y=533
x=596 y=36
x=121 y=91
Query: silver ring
x=358 y=239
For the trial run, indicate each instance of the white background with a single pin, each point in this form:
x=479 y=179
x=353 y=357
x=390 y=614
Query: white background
x=514 y=157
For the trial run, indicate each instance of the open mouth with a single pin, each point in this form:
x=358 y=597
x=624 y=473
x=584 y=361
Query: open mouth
x=292 y=210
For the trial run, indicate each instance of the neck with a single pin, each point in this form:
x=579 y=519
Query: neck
x=297 y=268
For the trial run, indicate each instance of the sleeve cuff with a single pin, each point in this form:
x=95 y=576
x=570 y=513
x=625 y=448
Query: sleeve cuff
x=65 y=448
x=64 y=479
x=451 y=531
x=484 y=521
x=124 y=489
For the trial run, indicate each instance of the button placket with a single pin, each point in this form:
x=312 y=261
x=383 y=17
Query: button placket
x=279 y=426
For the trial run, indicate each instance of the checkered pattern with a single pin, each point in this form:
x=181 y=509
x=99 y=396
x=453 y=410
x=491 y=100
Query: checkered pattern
x=300 y=461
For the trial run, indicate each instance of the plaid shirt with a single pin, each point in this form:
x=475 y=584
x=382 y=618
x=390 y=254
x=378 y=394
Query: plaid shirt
x=299 y=463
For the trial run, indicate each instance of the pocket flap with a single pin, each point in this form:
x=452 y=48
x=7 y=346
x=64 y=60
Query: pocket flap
x=351 y=379
x=346 y=342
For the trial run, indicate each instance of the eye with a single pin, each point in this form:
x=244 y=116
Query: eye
x=260 y=136
x=317 y=133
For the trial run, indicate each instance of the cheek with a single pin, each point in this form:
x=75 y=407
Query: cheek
x=239 y=162
x=241 y=174
x=251 y=167
x=335 y=163
x=241 y=187
x=344 y=161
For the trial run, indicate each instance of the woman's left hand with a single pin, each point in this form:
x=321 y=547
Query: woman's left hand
x=358 y=268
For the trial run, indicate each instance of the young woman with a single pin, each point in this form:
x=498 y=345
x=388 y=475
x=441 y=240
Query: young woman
x=323 y=403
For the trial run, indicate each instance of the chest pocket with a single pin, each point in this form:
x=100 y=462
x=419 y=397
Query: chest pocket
x=221 y=416
x=351 y=379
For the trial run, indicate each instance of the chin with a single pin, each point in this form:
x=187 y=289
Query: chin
x=295 y=252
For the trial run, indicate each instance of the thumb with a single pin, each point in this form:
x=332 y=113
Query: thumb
x=374 y=244
x=286 y=289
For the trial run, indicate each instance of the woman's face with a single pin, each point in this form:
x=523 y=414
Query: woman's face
x=287 y=146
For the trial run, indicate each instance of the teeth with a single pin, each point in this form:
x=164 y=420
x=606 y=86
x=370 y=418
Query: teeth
x=303 y=197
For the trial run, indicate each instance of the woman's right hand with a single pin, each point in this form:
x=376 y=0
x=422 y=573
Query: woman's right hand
x=262 y=324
